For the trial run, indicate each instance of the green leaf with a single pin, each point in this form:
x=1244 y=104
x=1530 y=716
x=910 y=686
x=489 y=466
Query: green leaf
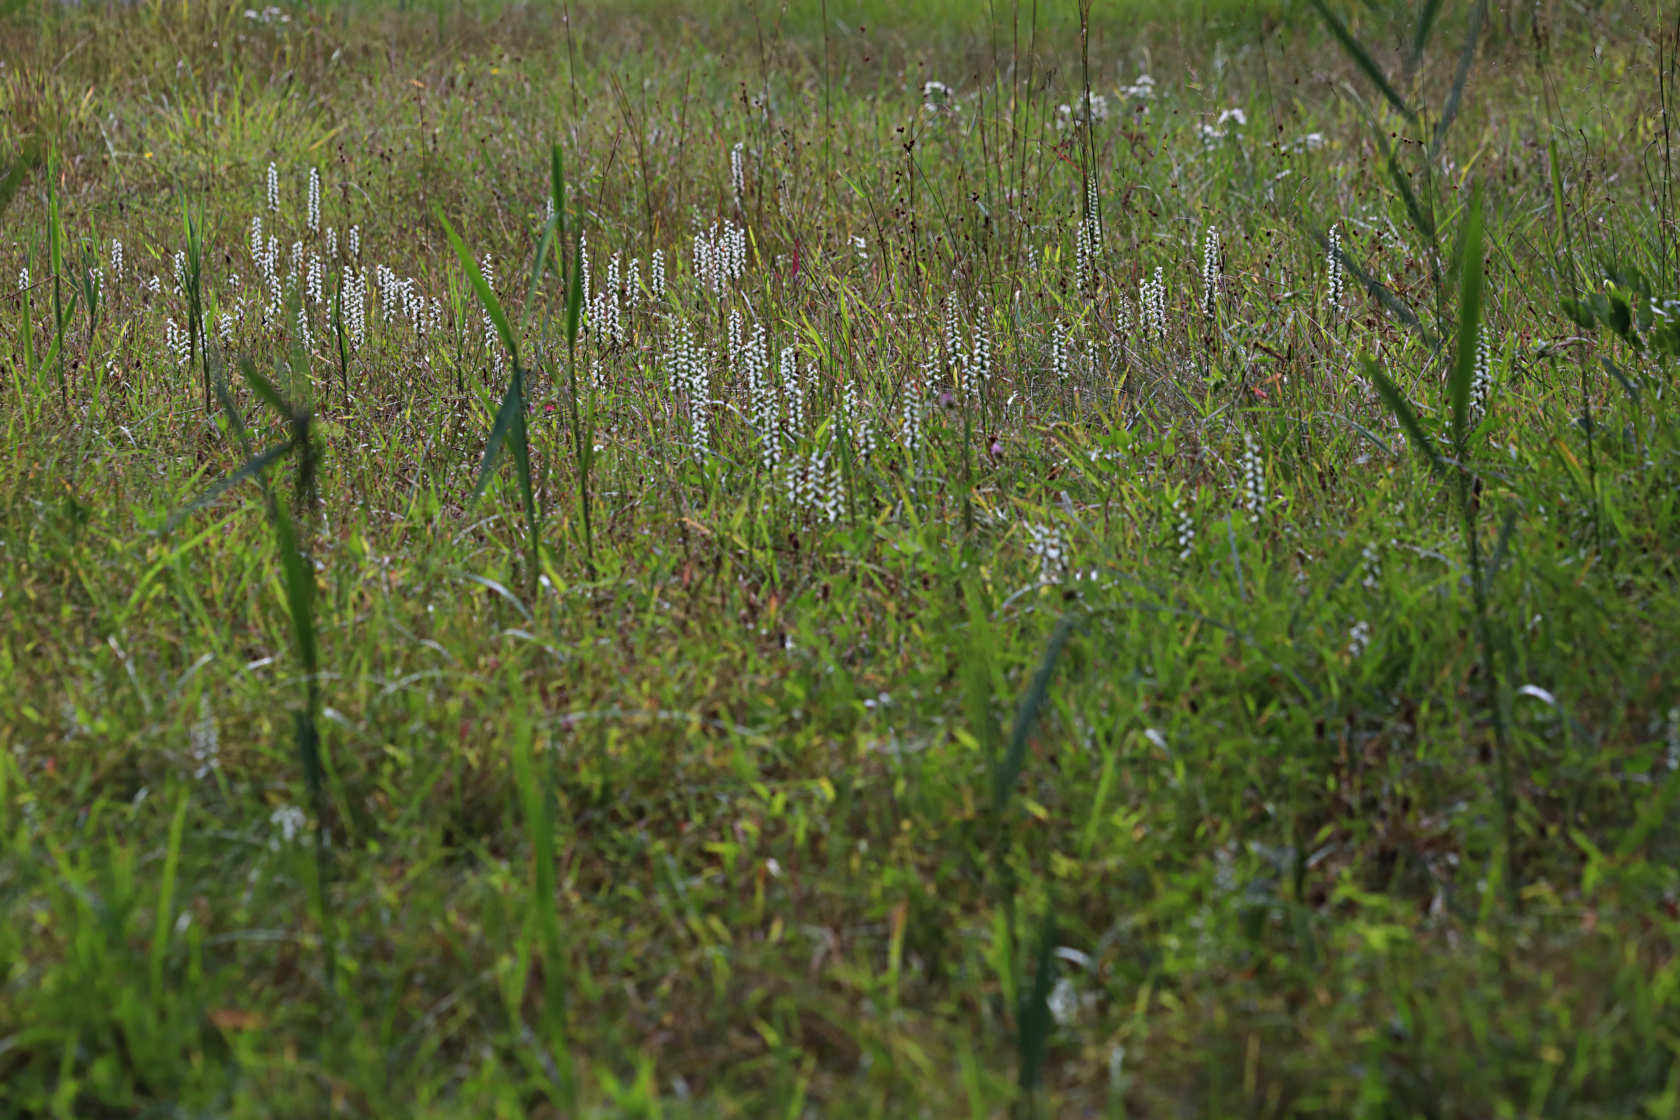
x=511 y=413
x=1403 y=412
x=1424 y=224
x=300 y=587
x=264 y=389
x=1032 y=1040
x=1362 y=58
x=539 y=262
x=1420 y=37
x=492 y=306
x=1502 y=545
x=1032 y=703
x=251 y=468
x=1455 y=96
x=1622 y=379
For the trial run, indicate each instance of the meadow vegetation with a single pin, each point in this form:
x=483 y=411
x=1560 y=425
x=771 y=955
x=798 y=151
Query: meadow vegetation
x=777 y=559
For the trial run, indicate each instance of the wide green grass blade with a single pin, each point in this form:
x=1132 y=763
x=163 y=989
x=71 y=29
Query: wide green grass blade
x=1362 y=58
x=1032 y=704
x=264 y=389
x=164 y=919
x=1034 y=1023
x=252 y=467
x=1420 y=36
x=299 y=579
x=509 y=417
x=539 y=262
x=1402 y=409
x=1424 y=224
x=1455 y=96
x=492 y=305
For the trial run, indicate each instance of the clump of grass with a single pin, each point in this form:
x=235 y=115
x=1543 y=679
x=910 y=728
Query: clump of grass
x=976 y=643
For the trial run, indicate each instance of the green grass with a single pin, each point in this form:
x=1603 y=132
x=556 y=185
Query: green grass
x=1271 y=717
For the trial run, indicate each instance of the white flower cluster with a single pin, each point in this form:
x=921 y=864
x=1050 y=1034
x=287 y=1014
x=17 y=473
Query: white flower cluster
x=288 y=821
x=1091 y=108
x=1228 y=120
x=492 y=343
x=813 y=483
x=690 y=377
x=1087 y=239
x=793 y=421
x=1370 y=568
x=763 y=403
x=1185 y=528
x=720 y=256
x=1141 y=90
x=910 y=412
x=1152 y=303
x=176 y=342
x=1210 y=269
x=1254 y=478
x=352 y=292
x=858 y=426
x=1049 y=547
x=1481 y=380
x=1333 y=262
x=936 y=97
x=1359 y=639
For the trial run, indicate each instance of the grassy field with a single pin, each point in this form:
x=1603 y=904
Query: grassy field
x=779 y=560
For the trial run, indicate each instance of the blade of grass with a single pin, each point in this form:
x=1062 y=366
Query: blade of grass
x=1455 y=96
x=1032 y=703
x=1362 y=58
x=164 y=919
x=1403 y=412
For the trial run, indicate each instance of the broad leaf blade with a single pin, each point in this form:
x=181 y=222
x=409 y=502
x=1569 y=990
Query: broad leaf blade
x=1455 y=96
x=1362 y=58
x=511 y=411
x=538 y=263
x=1420 y=37
x=251 y=468
x=1032 y=703
x=492 y=306
x=1402 y=409
x=264 y=389
x=1032 y=1039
